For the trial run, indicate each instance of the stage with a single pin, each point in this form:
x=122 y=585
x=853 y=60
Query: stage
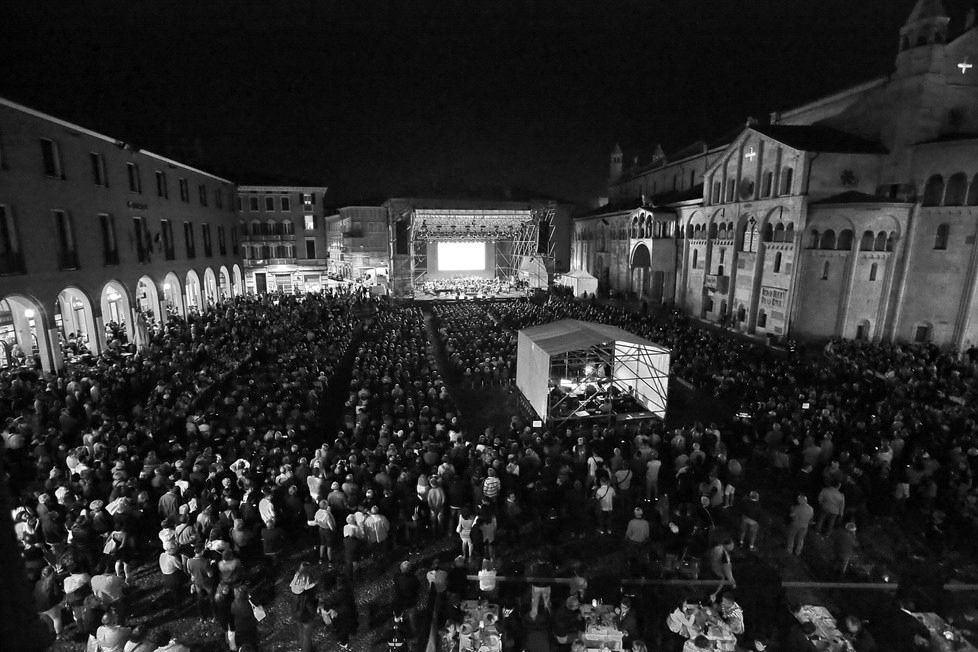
x=498 y=241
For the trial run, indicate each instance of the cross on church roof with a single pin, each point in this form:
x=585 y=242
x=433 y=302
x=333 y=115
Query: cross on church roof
x=965 y=66
x=750 y=154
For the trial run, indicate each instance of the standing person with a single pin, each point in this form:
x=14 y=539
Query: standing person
x=801 y=515
x=341 y=613
x=328 y=531
x=464 y=529
x=605 y=495
x=751 y=515
x=243 y=620
x=306 y=605
x=436 y=504
x=406 y=590
x=542 y=571
x=721 y=565
x=636 y=538
x=487 y=580
x=48 y=597
x=352 y=542
x=652 y=468
x=844 y=544
x=376 y=529
x=832 y=504
x=204 y=579
x=491 y=486
x=486 y=520
x=171 y=565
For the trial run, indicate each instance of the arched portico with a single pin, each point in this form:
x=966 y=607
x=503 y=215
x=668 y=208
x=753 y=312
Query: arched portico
x=116 y=308
x=148 y=298
x=224 y=284
x=238 y=286
x=26 y=331
x=78 y=319
x=640 y=270
x=210 y=287
x=191 y=290
x=172 y=295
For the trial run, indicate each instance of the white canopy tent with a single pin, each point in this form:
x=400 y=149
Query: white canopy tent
x=579 y=281
x=637 y=366
x=533 y=270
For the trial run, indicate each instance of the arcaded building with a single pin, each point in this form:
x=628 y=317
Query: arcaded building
x=94 y=230
x=852 y=216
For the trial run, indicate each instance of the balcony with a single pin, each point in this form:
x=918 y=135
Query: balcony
x=355 y=233
x=268 y=237
x=715 y=283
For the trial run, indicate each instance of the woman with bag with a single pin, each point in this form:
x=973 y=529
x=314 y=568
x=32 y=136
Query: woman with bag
x=243 y=620
x=306 y=604
x=342 y=613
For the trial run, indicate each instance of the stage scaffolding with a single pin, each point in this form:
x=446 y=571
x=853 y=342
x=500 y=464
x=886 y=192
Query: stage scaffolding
x=575 y=354
x=412 y=227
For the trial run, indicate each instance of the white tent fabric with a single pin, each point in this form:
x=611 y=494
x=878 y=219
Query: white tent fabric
x=579 y=281
x=534 y=271
x=640 y=365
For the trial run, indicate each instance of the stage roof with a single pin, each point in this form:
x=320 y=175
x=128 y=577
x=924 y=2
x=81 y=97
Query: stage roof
x=574 y=335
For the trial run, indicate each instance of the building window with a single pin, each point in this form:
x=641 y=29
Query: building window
x=825 y=271
x=135 y=182
x=253 y=204
x=51 y=154
x=184 y=190
x=218 y=199
x=238 y=202
x=161 y=186
x=288 y=228
x=285 y=203
x=777 y=263
x=731 y=190
x=99 y=176
x=716 y=192
x=222 y=247
x=310 y=221
x=762 y=319
x=957 y=190
x=166 y=230
x=940 y=239
x=11 y=258
x=696 y=257
x=787 y=176
x=205 y=231
x=767 y=182
x=921 y=333
x=188 y=237
x=142 y=241
x=872 y=271
x=269 y=204
x=934 y=191
x=202 y=193
x=741 y=314
x=234 y=242
x=309 y=198
x=310 y=248
x=65 y=239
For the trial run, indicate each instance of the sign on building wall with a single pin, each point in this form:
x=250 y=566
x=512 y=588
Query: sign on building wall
x=774 y=298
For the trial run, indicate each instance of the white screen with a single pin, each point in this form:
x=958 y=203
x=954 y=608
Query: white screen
x=461 y=256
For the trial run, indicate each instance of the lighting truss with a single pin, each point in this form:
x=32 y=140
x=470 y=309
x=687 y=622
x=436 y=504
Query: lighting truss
x=462 y=225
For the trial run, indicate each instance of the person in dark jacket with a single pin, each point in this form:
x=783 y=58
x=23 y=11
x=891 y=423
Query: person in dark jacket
x=243 y=621
x=406 y=590
x=566 y=622
x=341 y=613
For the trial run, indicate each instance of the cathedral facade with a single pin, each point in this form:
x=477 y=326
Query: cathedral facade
x=854 y=216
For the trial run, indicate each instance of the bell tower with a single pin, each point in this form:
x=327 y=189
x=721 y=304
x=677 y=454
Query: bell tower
x=922 y=39
x=615 y=170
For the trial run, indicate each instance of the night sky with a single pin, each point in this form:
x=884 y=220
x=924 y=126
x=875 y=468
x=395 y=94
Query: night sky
x=381 y=98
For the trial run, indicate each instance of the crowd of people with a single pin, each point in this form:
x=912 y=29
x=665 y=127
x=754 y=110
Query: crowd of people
x=480 y=350
x=205 y=453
